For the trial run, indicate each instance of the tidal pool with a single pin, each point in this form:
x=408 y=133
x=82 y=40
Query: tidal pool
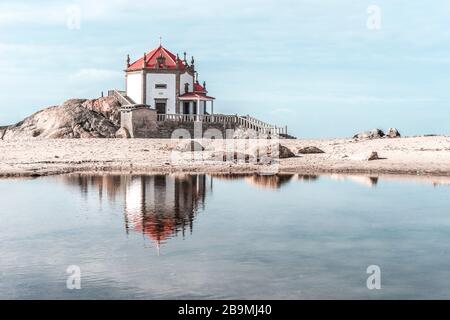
x=224 y=236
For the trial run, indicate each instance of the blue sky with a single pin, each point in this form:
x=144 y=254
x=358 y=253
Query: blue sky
x=311 y=65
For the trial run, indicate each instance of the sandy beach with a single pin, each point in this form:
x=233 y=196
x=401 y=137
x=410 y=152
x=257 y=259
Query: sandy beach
x=408 y=155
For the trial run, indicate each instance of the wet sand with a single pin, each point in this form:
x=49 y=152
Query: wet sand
x=410 y=155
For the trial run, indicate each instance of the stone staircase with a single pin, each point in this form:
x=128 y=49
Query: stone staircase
x=125 y=100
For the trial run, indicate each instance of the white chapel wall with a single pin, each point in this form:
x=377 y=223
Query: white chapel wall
x=168 y=93
x=186 y=78
x=134 y=87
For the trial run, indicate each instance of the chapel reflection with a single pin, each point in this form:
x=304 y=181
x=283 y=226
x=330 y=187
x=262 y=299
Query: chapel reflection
x=162 y=206
x=158 y=206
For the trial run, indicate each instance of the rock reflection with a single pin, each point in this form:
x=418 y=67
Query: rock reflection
x=265 y=181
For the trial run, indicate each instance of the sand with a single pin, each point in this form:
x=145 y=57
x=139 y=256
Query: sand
x=408 y=155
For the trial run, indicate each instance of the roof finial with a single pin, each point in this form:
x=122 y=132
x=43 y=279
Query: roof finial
x=128 y=60
x=204 y=85
x=160 y=41
x=144 y=60
x=196 y=77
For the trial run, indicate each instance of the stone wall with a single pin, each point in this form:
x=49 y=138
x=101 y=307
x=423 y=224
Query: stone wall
x=192 y=129
x=142 y=123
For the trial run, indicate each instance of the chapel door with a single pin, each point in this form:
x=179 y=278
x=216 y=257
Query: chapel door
x=185 y=107
x=160 y=107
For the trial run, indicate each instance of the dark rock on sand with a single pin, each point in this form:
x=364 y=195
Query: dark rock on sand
x=373 y=156
x=310 y=150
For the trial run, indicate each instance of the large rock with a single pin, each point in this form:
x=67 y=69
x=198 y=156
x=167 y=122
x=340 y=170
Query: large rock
x=285 y=152
x=70 y=120
x=393 y=133
x=310 y=150
x=372 y=134
x=108 y=106
x=270 y=150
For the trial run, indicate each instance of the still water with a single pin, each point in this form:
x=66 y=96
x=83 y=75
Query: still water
x=222 y=236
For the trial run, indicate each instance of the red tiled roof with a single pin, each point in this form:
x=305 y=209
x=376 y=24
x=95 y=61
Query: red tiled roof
x=151 y=60
x=198 y=88
x=195 y=95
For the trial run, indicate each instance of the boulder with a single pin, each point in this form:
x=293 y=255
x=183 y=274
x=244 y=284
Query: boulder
x=372 y=156
x=309 y=150
x=285 y=152
x=69 y=120
x=190 y=146
x=393 y=133
x=269 y=150
x=122 y=133
x=372 y=134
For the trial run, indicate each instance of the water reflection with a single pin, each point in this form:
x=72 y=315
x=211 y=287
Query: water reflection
x=164 y=206
x=158 y=206
x=263 y=181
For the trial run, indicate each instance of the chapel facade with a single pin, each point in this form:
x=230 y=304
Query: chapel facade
x=167 y=83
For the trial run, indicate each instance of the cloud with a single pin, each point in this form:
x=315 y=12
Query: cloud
x=51 y=13
x=93 y=75
x=19 y=14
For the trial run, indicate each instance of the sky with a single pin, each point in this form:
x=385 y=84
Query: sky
x=324 y=68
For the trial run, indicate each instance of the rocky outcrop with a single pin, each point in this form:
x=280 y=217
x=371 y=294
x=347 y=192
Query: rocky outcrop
x=108 y=106
x=69 y=120
x=309 y=150
x=372 y=134
x=393 y=133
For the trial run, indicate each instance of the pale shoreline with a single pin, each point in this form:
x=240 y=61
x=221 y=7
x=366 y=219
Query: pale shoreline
x=424 y=156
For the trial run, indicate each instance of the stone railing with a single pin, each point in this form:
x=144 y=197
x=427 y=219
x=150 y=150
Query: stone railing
x=122 y=97
x=243 y=121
